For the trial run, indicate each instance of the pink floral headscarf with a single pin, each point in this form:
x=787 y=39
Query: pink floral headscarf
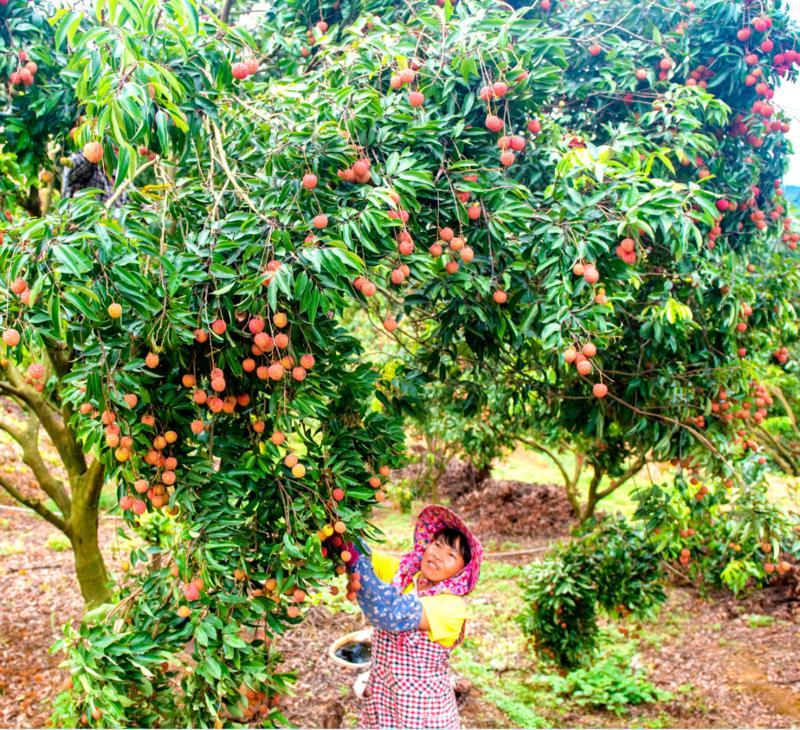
x=432 y=520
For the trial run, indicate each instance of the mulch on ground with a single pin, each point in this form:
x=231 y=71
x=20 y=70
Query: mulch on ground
x=39 y=595
x=499 y=509
x=508 y=509
x=744 y=672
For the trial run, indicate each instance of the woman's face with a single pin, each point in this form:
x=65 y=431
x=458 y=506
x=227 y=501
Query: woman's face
x=440 y=561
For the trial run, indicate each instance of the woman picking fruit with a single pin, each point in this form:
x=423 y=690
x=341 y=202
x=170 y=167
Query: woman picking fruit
x=417 y=608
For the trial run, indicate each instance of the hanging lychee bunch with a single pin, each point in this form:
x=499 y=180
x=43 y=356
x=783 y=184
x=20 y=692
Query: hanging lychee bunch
x=465 y=195
x=699 y=421
x=508 y=145
x=405 y=244
x=403 y=78
x=700 y=76
x=664 y=66
x=496 y=91
x=589 y=272
x=358 y=172
x=20 y=287
x=365 y=286
x=406 y=77
x=26 y=70
x=243 y=69
x=714 y=233
x=399 y=274
x=790 y=237
x=581 y=358
x=627 y=250
x=272 y=266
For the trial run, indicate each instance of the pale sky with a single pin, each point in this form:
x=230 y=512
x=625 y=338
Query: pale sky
x=788 y=98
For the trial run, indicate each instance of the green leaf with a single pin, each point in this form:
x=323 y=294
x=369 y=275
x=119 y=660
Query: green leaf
x=71 y=260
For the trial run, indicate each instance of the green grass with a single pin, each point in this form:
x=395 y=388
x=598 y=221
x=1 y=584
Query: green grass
x=4 y=523
x=58 y=543
x=666 y=626
x=759 y=621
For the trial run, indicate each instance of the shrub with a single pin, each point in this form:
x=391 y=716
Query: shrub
x=611 y=684
x=715 y=538
x=609 y=567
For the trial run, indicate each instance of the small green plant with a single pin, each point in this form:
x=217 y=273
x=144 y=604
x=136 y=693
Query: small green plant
x=58 y=543
x=4 y=523
x=759 y=621
x=613 y=683
x=611 y=566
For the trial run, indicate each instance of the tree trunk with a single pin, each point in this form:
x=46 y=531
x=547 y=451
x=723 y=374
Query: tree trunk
x=225 y=13
x=32 y=203
x=90 y=568
x=592 y=498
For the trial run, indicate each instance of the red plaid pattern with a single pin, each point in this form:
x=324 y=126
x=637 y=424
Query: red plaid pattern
x=409 y=683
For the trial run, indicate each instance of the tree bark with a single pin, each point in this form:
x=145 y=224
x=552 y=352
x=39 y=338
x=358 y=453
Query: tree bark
x=781 y=454
x=32 y=204
x=573 y=497
x=592 y=497
x=89 y=566
x=225 y=14
x=77 y=515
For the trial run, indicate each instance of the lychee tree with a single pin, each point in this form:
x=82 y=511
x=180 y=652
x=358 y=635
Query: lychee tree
x=490 y=186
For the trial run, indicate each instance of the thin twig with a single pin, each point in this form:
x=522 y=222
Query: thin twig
x=127 y=182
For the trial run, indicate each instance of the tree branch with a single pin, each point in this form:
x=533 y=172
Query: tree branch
x=779 y=452
x=541 y=447
x=68 y=449
x=36 y=506
x=617 y=483
x=778 y=393
x=28 y=440
x=125 y=183
x=225 y=15
x=223 y=161
x=15 y=433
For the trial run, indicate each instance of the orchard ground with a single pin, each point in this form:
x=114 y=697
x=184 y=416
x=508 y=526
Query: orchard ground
x=710 y=662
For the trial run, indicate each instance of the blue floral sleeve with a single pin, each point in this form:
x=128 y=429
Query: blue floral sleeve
x=384 y=605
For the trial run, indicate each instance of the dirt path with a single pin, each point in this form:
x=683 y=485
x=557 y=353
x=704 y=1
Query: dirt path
x=743 y=668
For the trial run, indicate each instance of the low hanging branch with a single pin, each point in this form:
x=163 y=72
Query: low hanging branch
x=35 y=505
